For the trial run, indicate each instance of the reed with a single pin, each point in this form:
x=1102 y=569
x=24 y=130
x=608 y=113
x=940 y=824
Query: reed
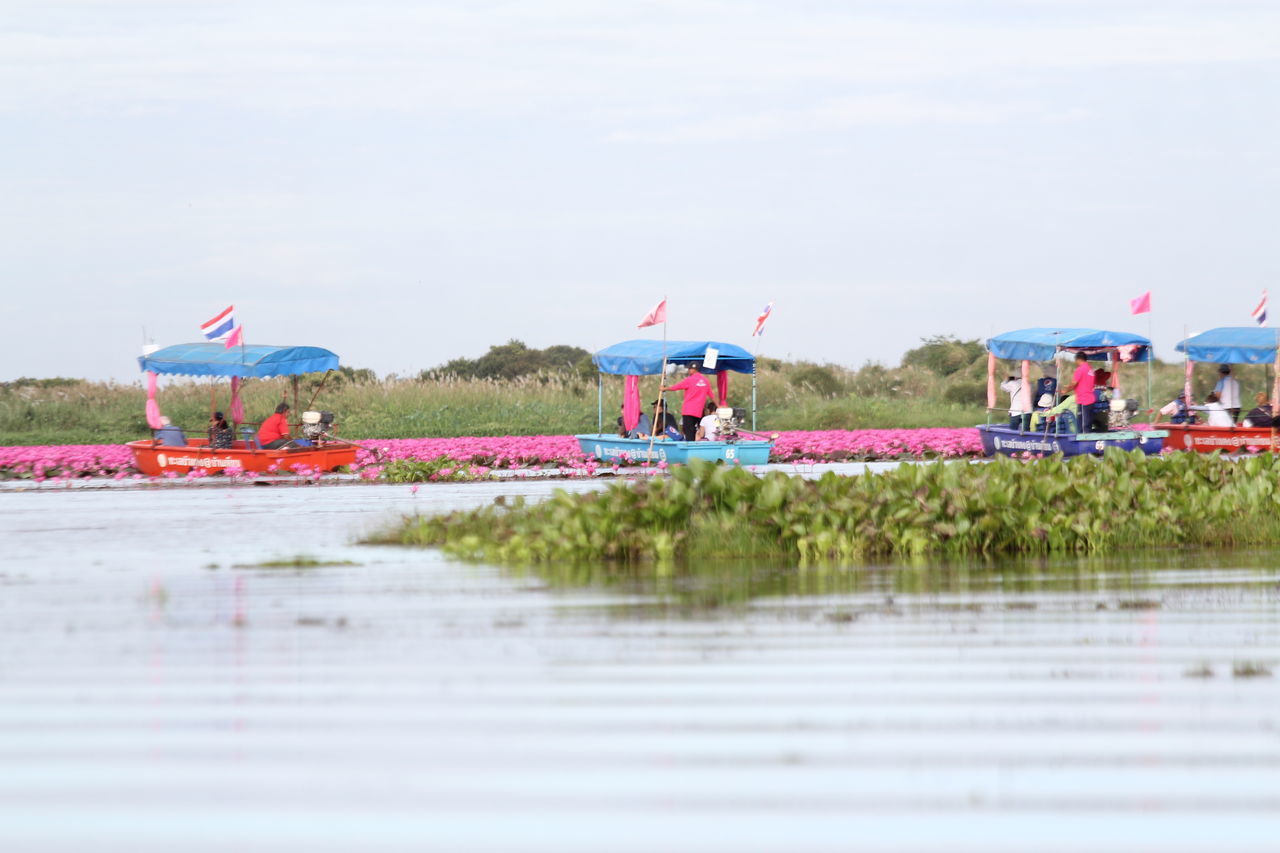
x=790 y=395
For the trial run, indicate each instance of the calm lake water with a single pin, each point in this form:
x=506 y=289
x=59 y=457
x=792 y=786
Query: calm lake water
x=156 y=696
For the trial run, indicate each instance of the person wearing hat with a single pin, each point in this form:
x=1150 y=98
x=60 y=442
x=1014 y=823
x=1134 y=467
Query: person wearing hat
x=1228 y=391
x=220 y=434
x=696 y=390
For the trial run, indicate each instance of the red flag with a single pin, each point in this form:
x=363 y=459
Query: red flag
x=1141 y=305
x=656 y=316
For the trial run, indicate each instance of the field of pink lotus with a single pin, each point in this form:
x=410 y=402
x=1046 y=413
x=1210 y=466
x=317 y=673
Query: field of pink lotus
x=50 y=462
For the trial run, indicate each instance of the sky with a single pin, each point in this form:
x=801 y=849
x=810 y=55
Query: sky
x=405 y=182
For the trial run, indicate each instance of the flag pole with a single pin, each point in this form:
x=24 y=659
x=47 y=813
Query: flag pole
x=653 y=426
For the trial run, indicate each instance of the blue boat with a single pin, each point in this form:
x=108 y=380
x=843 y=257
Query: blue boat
x=1044 y=344
x=649 y=358
x=1000 y=439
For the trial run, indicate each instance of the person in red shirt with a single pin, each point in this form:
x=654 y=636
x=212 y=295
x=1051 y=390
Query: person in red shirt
x=696 y=390
x=274 y=431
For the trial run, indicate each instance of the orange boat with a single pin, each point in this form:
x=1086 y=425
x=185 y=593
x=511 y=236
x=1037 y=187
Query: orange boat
x=1203 y=438
x=315 y=450
x=153 y=458
x=1229 y=345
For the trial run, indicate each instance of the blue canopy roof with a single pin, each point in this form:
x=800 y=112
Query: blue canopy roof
x=1232 y=345
x=1040 y=344
x=644 y=357
x=205 y=359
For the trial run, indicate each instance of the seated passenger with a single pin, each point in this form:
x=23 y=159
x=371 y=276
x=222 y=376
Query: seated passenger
x=641 y=430
x=1059 y=419
x=170 y=435
x=709 y=426
x=1260 y=415
x=1218 y=415
x=274 y=432
x=666 y=421
x=1178 y=410
x=220 y=434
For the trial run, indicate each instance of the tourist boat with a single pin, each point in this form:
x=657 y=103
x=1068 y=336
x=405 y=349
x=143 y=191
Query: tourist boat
x=1044 y=344
x=637 y=358
x=323 y=453
x=1226 y=345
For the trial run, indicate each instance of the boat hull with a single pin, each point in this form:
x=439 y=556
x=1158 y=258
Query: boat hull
x=158 y=459
x=1003 y=441
x=1202 y=438
x=612 y=448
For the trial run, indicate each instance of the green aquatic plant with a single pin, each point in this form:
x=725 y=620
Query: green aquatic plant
x=301 y=561
x=442 y=469
x=1048 y=506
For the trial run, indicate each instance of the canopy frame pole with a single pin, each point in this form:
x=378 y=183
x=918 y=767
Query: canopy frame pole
x=295 y=396
x=753 y=397
x=599 y=404
x=1275 y=393
x=1150 y=358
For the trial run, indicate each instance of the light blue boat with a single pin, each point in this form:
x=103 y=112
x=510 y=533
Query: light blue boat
x=648 y=358
x=613 y=448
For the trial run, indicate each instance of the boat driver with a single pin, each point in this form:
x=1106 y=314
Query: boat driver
x=274 y=432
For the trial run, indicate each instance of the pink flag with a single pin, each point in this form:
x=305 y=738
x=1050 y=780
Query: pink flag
x=631 y=403
x=656 y=316
x=1141 y=305
x=236 y=338
x=153 y=408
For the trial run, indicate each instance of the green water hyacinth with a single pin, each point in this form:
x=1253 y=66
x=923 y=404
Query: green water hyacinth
x=1006 y=506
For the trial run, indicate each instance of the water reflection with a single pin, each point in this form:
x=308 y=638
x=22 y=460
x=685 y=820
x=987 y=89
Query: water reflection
x=1125 y=580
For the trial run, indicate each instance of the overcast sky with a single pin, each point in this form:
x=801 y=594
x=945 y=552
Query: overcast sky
x=406 y=182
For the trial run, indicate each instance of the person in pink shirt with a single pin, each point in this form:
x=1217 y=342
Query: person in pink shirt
x=696 y=390
x=1082 y=385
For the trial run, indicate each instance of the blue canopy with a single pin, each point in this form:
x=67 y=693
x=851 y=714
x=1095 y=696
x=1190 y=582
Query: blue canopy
x=644 y=357
x=1041 y=344
x=205 y=359
x=1232 y=345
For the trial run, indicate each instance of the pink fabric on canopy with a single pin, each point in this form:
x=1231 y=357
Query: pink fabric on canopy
x=153 y=408
x=722 y=387
x=991 y=380
x=631 y=403
x=237 y=405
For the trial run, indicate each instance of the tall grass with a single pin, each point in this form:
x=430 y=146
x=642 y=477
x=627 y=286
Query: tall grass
x=790 y=395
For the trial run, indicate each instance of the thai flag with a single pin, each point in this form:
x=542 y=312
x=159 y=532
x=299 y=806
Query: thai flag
x=760 y=321
x=221 y=326
x=1260 y=313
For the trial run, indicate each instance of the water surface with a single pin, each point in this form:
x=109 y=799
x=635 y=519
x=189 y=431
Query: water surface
x=153 y=696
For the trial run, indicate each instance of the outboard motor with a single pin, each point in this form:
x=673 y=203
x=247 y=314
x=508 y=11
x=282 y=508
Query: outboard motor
x=316 y=425
x=730 y=422
x=1121 y=414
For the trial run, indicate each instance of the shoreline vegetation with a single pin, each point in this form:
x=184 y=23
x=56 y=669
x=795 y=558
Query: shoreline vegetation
x=704 y=512
x=514 y=390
